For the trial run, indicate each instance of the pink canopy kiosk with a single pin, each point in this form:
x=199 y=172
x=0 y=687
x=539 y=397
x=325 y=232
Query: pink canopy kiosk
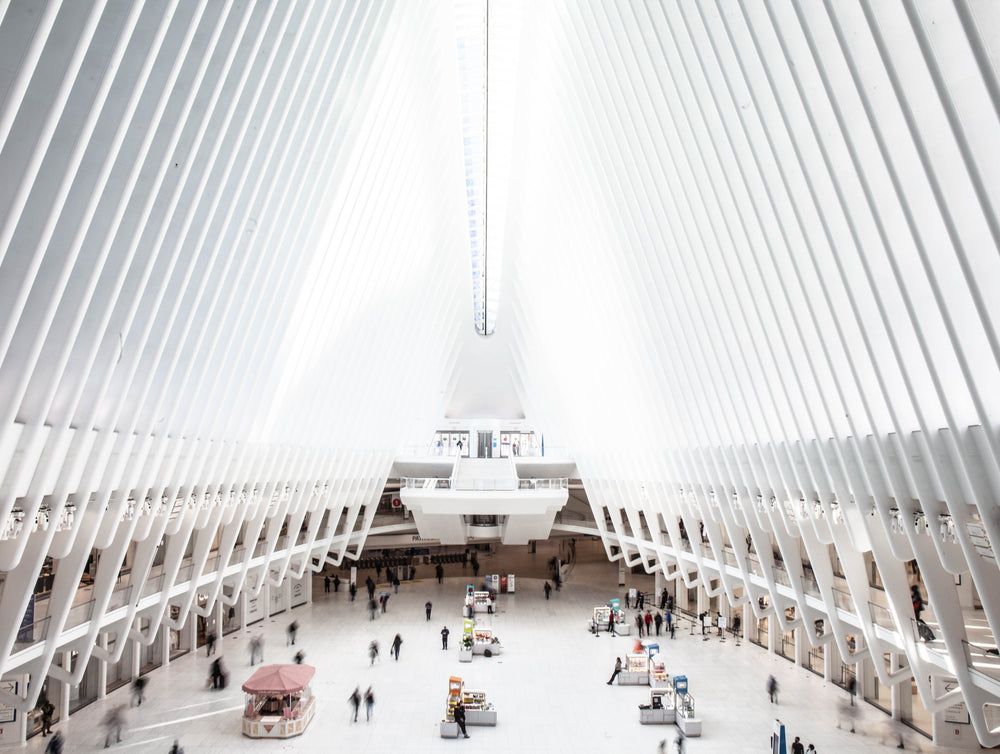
x=280 y=703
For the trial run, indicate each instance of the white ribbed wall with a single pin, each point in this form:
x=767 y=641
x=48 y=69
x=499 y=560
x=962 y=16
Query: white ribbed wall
x=752 y=253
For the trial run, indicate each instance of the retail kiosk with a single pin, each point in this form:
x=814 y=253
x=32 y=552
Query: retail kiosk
x=279 y=703
x=636 y=670
x=599 y=620
x=477 y=710
x=660 y=710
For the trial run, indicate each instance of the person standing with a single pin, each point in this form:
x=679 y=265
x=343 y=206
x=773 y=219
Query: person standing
x=618 y=669
x=326 y=583
x=460 y=718
x=371 y=587
x=176 y=748
x=627 y=604
x=396 y=644
x=548 y=589
x=658 y=620
x=797 y=747
x=439 y=572
x=300 y=657
x=352 y=589
x=611 y=623
x=336 y=583
x=444 y=637
x=369 y=704
x=772 y=689
x=648 y=621
x=638 y=623
x=355 y=701
x=293 y=629
x=48 y=710
x=371 y=609
x=642 y=601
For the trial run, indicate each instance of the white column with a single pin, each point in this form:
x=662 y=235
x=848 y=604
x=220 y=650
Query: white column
x=67 y=665
x=102 y=667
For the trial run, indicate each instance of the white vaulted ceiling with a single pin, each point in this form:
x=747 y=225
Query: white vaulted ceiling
x=744 y=264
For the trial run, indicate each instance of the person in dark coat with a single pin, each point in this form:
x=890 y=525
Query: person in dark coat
x=138 y=688
x=55 y=744
x=209 y=643
x=218 y=674
x=355 y=700
x=444 y=637
x=48 y=710
x=326 y=583
x=658 y=620
x=427 y=609
x=396 y=643
x=369 y=703
x=460 y=718
x=548 y=589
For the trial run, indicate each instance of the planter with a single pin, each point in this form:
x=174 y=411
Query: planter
x=465 y=655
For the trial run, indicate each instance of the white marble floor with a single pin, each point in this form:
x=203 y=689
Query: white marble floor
x=549 y=685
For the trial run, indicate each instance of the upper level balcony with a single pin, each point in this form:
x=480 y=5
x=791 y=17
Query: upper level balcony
x=459 y=499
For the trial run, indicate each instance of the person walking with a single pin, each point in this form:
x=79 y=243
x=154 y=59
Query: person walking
x=648 y=621
x=300 y=657
x=372 y=652
x=176 y=748
x=371 y=608
x=810 y=748
x=679 y=742
x=55 y=744
x=772 y=689
x=385 y=601
x=475 y=566
x=396 y=644
x=658 y=620
x=293 y=629
x=371 y=587
x=114 y=721
x=326 y=583
x=369 y=704
x=218 y=674
x=611 y=623
x=642 y=601
x=460 y=718
x=618 y=669
x=336 y=583
x=439 y=572
x=352 y=589
x=427 y=609
x=256 y=650
x=138 y=687
x=355 y=701
x=797 y=747
x=638 y=623
x=395 y=584
x=444 y=637
x=548 y=589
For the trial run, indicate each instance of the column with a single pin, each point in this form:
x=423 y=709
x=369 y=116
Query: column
x=102 y=667
x=67 y=665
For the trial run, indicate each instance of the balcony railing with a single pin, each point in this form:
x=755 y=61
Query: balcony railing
x=486 y=484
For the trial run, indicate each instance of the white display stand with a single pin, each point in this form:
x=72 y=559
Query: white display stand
x=449 y=729
x=689 y=726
